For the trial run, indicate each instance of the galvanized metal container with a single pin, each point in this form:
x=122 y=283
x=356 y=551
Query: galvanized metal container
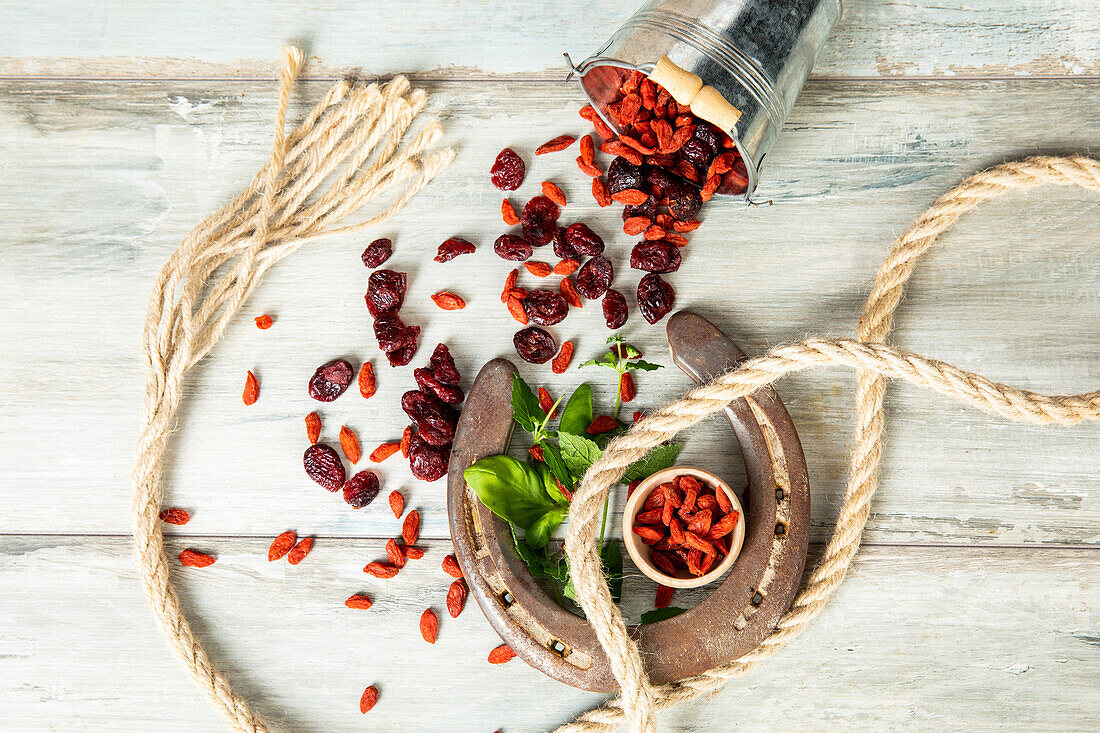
x=755 y=53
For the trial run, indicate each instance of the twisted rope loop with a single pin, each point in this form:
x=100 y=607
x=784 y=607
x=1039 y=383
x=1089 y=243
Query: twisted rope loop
x=362 y=136
x=874 y=362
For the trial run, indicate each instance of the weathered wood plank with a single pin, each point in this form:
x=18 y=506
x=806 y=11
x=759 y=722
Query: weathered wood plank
x=950 y=639
x=238 y=39
x=102 y=180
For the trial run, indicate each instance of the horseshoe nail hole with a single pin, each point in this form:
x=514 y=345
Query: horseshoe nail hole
x=780 y=529
x=559 y=648
x=757 y=598
x=507 y=599
x=779 y=494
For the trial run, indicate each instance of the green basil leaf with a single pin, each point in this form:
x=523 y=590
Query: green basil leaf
x=534 y=561
x=577 y=415
x=525 y=406
x=578 y=452
x=538 y=533
x=659 y=458
x=510 y=489
x=612 y=557
x=560 y=471
x=660 y=614
x=643 y=366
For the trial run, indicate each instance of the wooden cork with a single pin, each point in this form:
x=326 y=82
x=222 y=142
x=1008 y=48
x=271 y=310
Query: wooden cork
x=687 y=88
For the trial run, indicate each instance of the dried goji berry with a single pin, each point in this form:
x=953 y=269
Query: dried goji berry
x=448 y=301
x=589 y=169
x=566 y=267
x=384 y=451
x=723 y=526
x=429 y=625
x=251 y=389
x=281 y=545
x=515 y=307
x=350 y=443
x=539 y=269
x=313 y=427
x=193 y=559
x=456 y=598
x=654 y=232
x=636 y=225
x=663 y=562
x=600 y=192
x=367 y=386
x=587 y=149
x=174 y=516
x=723 y=501
x=264 y=322
x=508 y=213
x=414 y=553
x=509 y=283
x=602 y=424
x=406 y=438
x=380 y=570
x=359 y=602
x=627 y=391
x=451 y=567
x=369 y=698
x=553 y=192
x=546 y=402
x=501 y=654
x=536 y=452
x=674 y=238
x=410 y=528
x=631 y=196
x=561 y=142
x=299 y=551
x=664 y=596
x=394 y=553
x=569 y=292
x=648 y=534
x=397 y=503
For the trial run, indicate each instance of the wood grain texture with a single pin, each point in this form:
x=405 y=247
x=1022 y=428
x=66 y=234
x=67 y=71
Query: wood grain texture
x=104 y=179
x=481 y=39
x=940 y=638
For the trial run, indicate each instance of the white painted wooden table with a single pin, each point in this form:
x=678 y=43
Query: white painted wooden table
x=973 y=603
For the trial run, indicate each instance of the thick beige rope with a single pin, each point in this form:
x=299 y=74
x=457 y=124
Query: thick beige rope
x=358 y=139
x=874 y=362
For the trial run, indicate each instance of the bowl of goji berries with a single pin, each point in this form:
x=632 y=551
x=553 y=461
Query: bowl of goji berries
x=683 y=527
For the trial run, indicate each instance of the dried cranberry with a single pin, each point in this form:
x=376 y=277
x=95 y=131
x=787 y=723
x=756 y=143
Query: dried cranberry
x=684 y=202
x=433 y=420
x=428 y=462
x=706 y=135
x=648 y=209
x=622 y=174
x=697 y=153
x=594 y=277
x=361 y=489
x=655 y=256
x=614 y=309
x=330 y=380
x=511 y=247
x=562 y=249
x=324 y=466
x=377 y=252
x=452 y=248
x=443 y=366
x=545 y=307
x=404 y=355
x=430 y=384
x=508 y=170
x=539 y=221
x=655 y=297
x=393 y=334
x=583 y=240
x=534 y=345
x=385 y=291
x=660 y=180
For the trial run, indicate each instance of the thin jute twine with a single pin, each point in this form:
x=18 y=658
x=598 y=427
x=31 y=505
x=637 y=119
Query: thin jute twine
x=355 y=147
x=639 y=701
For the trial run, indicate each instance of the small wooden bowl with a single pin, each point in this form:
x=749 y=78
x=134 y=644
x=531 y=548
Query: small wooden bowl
x=640 y=552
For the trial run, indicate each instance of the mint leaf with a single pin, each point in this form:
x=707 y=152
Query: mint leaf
x=657 y=459
x=660 y=614
x=612 y=558
x=643 y=366
x=525 y=406
x=578 y=453
x=577 y=415
x=558 y=470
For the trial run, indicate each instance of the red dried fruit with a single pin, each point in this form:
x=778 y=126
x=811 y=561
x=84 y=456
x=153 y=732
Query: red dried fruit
x=448 y=301
x=281 y=545
x=594 y=277
x=684 y=203
x=655 y=297
x=508 y=213
x=456 y=597
x=600 y=192
x=587 y=149
x=664 y=596
x=589 y=169
x=433 y=419
x=539 y=269
x=330 y=380
x=361 y=489
x=699 y=523
x=569 y=292
x=615 y=311
x=429 y=625
x=501 y=654
x=300 y=550
x=380 y=570
x=251 y=389
x=384 y=451
x=452 y=248
x=174 y=516
x=675 y=239
x=511 y=247
x=397 y=503
x=648 y=534
x=428 y=462
x=534 y=345
x=546 y=401
x=653 y=516
x=367 y=386
x=551 y=191
x=561 y=142
x=566 y=267
x=627 y=391
x=350 y=444
x=623 y=175
x=663 y=562
x=450 y=567
x=394 y=553
x=561 y=361
x=509 y=283
x=396 y=339
x=377 y=252
x=443 y=366
x=539 y=220
x=630 y=196
x=636 y=225
x=368 y=700
x=723 y=501
x=582 y=240
x=385 y=291
x=602 y=424
x=545 y=307
x=655 y=256
x=410 y=528
x=313 y=427
x=359 y=602
x=723 y=526
x=414 y=553
x=535 y=452
x=406 y=439
x=654 y=232
x=324 y=466
x=193 y=559
x=508 y=170
x=264 y=322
